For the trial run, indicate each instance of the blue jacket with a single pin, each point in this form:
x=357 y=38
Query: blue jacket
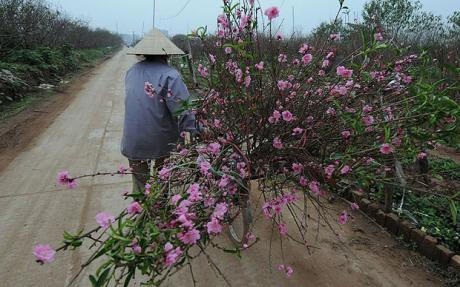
x=152 y=126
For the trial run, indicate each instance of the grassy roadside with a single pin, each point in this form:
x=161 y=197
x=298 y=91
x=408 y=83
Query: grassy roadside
x=33 y=68
x=433 y=207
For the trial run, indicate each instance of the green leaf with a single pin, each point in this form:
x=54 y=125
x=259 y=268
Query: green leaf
x=128 y=278
x=103 y=266
x=93 y=280
x=438 y=177
x=387 y=134
x=103 y=278
x=453 y=211
x=381 y=46
x=116 y=236
x=455 y=195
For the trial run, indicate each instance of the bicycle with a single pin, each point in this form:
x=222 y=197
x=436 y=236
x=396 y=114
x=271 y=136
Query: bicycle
x=239 y=214
x=240 y=217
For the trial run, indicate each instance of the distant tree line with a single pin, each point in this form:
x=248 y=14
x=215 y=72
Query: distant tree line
x=28 y=24
x=403 y=22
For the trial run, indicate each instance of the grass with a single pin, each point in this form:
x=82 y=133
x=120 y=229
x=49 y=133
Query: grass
x=436 y=214
x=446 y=168
x=43 y=65
x=13 y=108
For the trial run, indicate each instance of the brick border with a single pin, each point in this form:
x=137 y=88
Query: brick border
x=426 y=244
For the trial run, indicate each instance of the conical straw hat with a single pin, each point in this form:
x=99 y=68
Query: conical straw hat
x=155 y=43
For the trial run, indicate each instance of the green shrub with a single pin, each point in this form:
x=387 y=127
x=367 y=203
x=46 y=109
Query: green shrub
x=43 y=65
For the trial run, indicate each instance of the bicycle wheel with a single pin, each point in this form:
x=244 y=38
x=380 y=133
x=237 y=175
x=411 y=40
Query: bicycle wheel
x=238 y=229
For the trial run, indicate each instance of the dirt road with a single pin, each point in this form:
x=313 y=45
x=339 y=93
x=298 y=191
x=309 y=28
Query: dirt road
x=85 y=138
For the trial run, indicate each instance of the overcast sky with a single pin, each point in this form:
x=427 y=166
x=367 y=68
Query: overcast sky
x=177 y=16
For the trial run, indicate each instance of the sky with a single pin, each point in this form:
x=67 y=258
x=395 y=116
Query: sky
x=182 y=16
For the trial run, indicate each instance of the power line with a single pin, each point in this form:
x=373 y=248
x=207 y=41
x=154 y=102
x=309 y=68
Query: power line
x=178 y=13
x=154 y=11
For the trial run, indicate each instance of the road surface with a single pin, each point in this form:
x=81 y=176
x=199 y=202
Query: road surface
x=85 y=138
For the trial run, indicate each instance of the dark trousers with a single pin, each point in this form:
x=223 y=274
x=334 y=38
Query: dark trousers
x=141 y=172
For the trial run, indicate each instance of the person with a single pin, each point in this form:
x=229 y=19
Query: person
x=153 y=119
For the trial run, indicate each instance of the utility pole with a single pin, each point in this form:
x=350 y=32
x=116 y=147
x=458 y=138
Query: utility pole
x=154 y=10
x=293 y=20
x=117 y=29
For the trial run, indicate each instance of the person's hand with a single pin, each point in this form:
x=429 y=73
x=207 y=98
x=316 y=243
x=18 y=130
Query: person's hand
x=187 y=138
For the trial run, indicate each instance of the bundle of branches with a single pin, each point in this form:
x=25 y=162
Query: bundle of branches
x=306 y=125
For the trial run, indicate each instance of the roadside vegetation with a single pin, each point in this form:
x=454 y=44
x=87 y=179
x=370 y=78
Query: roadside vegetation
x=40 y=46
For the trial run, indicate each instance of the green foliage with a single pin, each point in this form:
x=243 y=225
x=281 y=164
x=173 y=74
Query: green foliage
x=446 y=168
x=437 y=215
x=30 y=68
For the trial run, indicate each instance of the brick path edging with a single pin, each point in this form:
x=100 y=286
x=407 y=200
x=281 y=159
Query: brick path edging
x=426 y=244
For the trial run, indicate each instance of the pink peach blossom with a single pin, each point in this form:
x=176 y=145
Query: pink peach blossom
x=422 y=155
x=343 y=218
x=220 y=210
x=279 y=37
x=282 y=227
x=63 y=178
x=287 y=116
x=346 y=134
x=175 y=198
x=214 y=148
x=297 y=168
x=344 y=72
x=149 y=89
x=203 y=71
x=289 y=271
x=329 y=170
x=331 y=111
x=164 y=173
x=212 y=58
x=122 y=169
x=306 y=59
x=205 y=166
x=345 y=170
x=303 y=181
x=378 y=37
x=304 y=48
x=367 y=109
x=104 y=219
x=259 y=66
x=297 y=131
x=190 y=237
x=148 y=189
x=44 y=253
x=134 y=208
x=314 y=187
x=334 y=37
x=272 y=13
x=171 y=254
x=354 y=206
x=214 y=227
x=277 y=143
x=386 y=148
x=368 y=120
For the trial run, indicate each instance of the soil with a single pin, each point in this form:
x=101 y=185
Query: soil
x=17 y=131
